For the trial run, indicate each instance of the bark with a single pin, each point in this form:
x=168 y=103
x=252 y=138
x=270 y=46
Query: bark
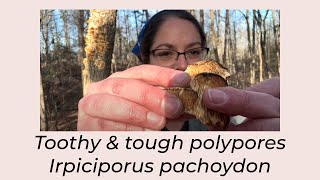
x=226 y=38
x=57 y=38
x=218 y=17
x=99 y=46
x=214 y=38
x=64 y=14
x=43 y=117
x=113 y=64
x=193 y=12
x=261 y=22
x=119 y=42
x=45 y=20
x=202 y=19
x=81 y=41
x=146 y=13
x=260 y=57
x=276 y=30
x=254 y=34
x=136 y=22
x=127 y=37
x=230 y=57
x=234 y=42
x=247 y=18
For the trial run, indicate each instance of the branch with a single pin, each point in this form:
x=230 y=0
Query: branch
x=266 y=15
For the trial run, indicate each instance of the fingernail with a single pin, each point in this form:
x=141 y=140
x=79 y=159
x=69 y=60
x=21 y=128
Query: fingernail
x=171 y=106
x=154 y=118
x=217 y=97
x=181 y=79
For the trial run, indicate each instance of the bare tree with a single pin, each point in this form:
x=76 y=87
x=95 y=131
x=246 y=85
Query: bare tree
x=254 y=34
x=99 y=46
x=65 y=18
x=43 y=117
x=80 y=23
x=127 y=36
x=136 y=21
x=218 y=25
x=226 y=39
x=234 y=48
x=202 y=19
x=45 y=20
x=192 y=12
x=118 y=42
x=247 y=18
x=230 y=49
x=262 y=43
x=56 y=38
x=146 y=13
x=276 y=34
x=214 y=38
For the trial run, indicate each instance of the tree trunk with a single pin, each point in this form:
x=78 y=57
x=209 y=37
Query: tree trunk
x=276 y=40
x=202 y=19
x=264 y=48
x=214 y=39
x=127 y=36
x=247 y=17
x=234 y=42
x=146 y=13
x=218 y=19
x=254 y=34
x=43 y=117
x=113 y=64
x=226 y=38
x=119 y=42
x=99 y=46
x=193 y=12
x=136 y=21
x=81 y=42
x=64 y=14
x=258 y=18
x=260 y=57
x=230 y=57
x=261 y=22
x=45 y=19
x=56 y=38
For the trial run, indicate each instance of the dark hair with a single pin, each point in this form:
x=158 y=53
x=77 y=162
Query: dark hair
x=155 y=23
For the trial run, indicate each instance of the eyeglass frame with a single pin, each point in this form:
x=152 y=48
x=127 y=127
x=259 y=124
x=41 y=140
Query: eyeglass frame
x=184 y=53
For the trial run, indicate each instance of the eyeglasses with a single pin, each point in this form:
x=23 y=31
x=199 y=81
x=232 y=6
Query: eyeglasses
x=168 y=57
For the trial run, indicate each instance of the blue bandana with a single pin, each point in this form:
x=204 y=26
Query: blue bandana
x=136 y=49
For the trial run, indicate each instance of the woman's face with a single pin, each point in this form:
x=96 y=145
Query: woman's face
x=178 y=35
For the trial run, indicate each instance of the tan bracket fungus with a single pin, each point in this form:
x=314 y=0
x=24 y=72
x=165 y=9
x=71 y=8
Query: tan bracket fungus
x=204 y=74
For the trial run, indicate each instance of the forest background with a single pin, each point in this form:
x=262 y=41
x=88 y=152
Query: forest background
x=78 y=47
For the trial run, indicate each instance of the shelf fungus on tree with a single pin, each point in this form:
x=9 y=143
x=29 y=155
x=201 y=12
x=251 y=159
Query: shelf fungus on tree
x=204 y=74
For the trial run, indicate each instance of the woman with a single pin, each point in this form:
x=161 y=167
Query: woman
x=132 y=99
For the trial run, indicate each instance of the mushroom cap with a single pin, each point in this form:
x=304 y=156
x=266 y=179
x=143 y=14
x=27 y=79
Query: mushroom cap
x=208 y=66
x=204 y=74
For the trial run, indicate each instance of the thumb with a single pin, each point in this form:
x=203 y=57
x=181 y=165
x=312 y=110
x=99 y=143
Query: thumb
x=250 y=104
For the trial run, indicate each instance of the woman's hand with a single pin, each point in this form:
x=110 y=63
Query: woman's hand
x=131 y=100
x=260 y=104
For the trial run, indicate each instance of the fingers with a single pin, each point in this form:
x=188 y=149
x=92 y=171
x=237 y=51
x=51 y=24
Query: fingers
x=106 y=106
x=130 y=100
x=151 y=97
x=272 y=124
x=238 y=102
x=88 y=123
x=156 y=75
x=270 y=86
